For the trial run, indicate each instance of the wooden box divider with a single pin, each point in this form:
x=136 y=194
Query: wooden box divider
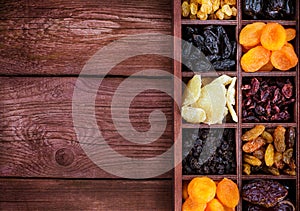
x=180 y=125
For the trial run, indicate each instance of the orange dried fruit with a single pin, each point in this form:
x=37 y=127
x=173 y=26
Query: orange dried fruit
x=267 y=67
x=228 y=209
x=202 y=189
x=214 y=205
x=185 y=194
x=250 y=34
x=255 y=59
x=191 y=205
x=285 y=58
x=228 y=193
x=273 y=36
x=253 y=145
x=290 y=34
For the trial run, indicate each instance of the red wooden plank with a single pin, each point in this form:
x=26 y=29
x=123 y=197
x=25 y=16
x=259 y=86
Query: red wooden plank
x=47 y=194
x=37 y=138
x=58 y=37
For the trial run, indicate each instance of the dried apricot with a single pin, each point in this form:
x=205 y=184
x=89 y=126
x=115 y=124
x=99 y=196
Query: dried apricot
x=253 y=145
x=273 y=36
x=202 y=189
x=267 y=67
x=290 y=34
x=284 y=59
x=214 y=205
x=185 y=194
x=253 y=133
x=269 y=155
x=228 y=193
x=255 y=59
x=250 y=34
x=279 y=139
x=191 y=205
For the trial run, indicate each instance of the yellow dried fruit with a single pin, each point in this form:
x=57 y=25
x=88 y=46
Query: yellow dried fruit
x=220 y=14
x=192 y=91
x=246 y=168
x=234 y=11
x=230 y=2
x=194 y=8
x=269 y=155
x=273 y=36
x=253 y=133
x=228 y=193
x=201 y=15
x=279 y=139
x=185 y=9
x=202 y=189
x=215 y=5
x=193 y=115
x=227 y=10
x=267 y=136
x=253 y=161
x=206 y=7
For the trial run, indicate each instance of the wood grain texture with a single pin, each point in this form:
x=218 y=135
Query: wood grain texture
x=57 y=37
x=27 y=194
x=37 y=138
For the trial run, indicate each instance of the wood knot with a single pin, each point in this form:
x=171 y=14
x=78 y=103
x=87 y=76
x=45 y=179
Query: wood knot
x=64 y=157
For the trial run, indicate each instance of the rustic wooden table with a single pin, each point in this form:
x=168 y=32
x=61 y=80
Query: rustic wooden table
x=43 y=47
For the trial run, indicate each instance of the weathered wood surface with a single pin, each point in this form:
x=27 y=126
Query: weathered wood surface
x=37 y=138
x=57 y=37
x=45 y=194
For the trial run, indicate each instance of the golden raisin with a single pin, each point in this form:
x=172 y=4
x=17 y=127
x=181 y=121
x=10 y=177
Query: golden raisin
x=253 y=161
x=279 y=139
x=185 y=9
x=269 y=155
x=253 y=133
x=253 y=145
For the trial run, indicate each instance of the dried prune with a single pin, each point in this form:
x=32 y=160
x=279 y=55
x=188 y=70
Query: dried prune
x=215 y=43
x=266 y=193
x=260 y=9
x=290 y=136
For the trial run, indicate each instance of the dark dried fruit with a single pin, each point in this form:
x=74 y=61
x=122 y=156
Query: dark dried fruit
x=260 y=9
x=208 y=151
x=284 y=205
x=287 y=156
x=290 y=136
x=212 y=41
x=266 y=193
x=267 y=99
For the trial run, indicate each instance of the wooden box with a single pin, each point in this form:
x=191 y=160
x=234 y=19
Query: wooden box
x=179 y=125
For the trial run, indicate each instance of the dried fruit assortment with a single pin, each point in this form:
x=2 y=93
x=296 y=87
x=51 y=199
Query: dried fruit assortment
x=269 y=151
x=263 y=194
x=267 y=44
x=263 y=10
x=205 y=194
x=209 y=9
x=209 y=104
x=267 y=99
x=209 y=48
x=209 y=151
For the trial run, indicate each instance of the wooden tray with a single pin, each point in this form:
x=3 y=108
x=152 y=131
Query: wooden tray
x=179 y=125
